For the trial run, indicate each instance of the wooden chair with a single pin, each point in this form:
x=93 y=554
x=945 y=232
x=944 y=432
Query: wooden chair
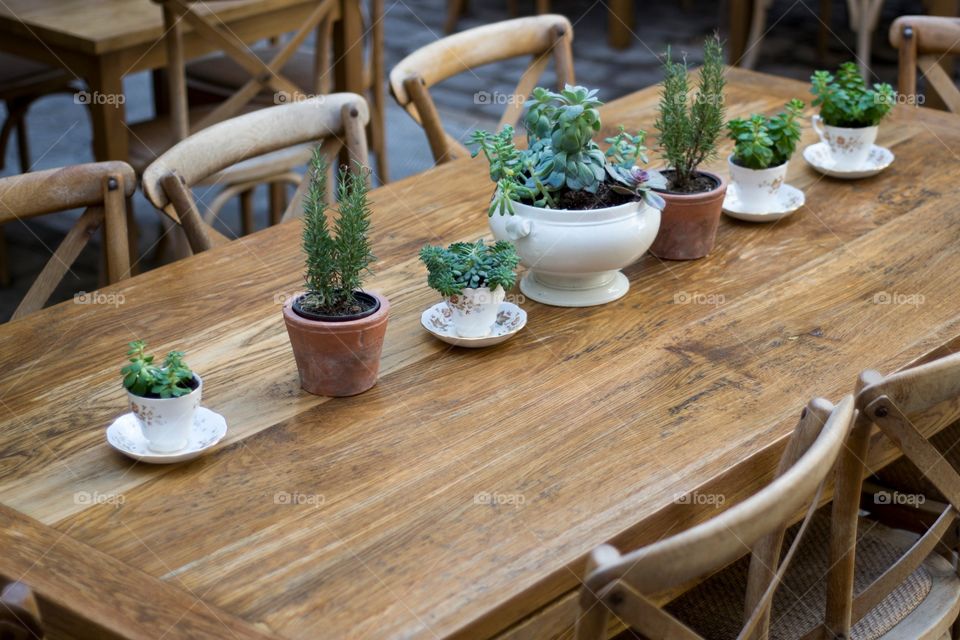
x=151 y=138
x=622 y=585
x=219 y=76
x=19 y=613
x=102 y=188
x=909 y=407
x=335 y=121
x=923 y=41
x=542 y=37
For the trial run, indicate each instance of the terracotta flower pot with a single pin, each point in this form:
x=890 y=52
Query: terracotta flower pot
x=337 y=358
x=688 y=224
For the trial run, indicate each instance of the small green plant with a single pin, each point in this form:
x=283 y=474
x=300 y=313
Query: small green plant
x=762 y=142
x=561 y=154
x=689 y=128
x=845 y=100
x=142 y=377
x=337 y=262
x=471 y=265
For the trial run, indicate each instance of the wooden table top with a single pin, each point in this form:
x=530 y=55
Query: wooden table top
x=102 y=26
x=584 y=427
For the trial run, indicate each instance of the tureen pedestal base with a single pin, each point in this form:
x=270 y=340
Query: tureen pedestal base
x=585 y=290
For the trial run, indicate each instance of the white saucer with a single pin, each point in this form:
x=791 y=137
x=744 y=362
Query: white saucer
x=789 y=199
x=125 y=436
x=437 y=320
x=818 y=155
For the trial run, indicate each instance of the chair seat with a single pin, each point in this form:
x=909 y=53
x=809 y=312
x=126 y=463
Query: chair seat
x=922 y=607
x=219 y=74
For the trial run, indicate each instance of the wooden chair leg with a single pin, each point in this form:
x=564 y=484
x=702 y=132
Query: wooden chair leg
x=823 y=35
x=133 y=238
x=4 y=260
x=278 y=201
x=246 y=212
x=23 y=145
x=455 y=9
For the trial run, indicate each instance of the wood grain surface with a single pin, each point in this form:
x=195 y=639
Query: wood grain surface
x=460 y=496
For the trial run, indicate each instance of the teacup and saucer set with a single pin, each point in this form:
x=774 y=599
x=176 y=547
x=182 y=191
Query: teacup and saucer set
x=760 y=195
x=476 y=318
x=847 y=153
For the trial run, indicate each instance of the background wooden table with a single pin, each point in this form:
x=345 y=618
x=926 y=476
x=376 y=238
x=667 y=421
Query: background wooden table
x=460 y=495
x=101 y=41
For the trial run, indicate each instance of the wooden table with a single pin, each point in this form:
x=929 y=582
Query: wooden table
x=101 y=41
x=460 y=495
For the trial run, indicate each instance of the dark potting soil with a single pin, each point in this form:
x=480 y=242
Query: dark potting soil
x=360 y=306
x=190 y=384
x=584 y=200
x=701 y=183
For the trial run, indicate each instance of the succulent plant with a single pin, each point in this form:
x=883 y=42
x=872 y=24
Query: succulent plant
x=762 y=142
x=845 y=100
x=561 y=154
x=142 y=377
x=470 y=265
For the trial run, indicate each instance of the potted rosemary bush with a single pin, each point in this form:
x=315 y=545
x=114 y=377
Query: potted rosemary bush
x=762 y=150
x=689 y=128
x=336 y=329
x=473 y=278
x=577 y=214
x=164 y=397
x=850 y=113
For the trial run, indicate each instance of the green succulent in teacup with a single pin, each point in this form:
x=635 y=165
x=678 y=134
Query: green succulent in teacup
x=846 y=101
x=142 y=377
x=762 y=142
x=470 y=265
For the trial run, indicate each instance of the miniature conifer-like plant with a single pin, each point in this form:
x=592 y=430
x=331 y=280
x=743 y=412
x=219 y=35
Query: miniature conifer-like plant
x=470 y=265
x=144 y=378
x=338 y=255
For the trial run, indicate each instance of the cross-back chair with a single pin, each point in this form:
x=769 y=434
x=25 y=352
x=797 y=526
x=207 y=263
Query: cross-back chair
x=19 y=613
x=219 y=75
x=622 y=585
x=542 y=37
x=101 y=188
x=923 y=41
x=334 y=121
x=908 y=407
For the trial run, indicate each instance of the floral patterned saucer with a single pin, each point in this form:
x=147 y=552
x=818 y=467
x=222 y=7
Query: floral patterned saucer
x=789 y=199
x=818 y=155
x=125 y=436
x=438 y=320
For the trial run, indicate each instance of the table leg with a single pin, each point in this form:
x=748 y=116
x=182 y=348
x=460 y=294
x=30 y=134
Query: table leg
x=741 y=12
x=348 y=54
x=107 y=110
x=620 y=23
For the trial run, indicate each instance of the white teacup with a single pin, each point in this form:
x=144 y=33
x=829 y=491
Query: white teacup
x=849 y=148
x=166 y=422
x=475 y=311
x=757 y=189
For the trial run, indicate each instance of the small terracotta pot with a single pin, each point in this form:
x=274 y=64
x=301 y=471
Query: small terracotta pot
x=688 y=224
x=337 y=358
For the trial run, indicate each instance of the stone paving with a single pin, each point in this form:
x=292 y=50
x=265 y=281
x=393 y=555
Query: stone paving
x=60 y=134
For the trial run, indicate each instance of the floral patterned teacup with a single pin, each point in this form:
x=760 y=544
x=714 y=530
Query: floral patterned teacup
x=475 y=311
x=758 y=189
x=849 y=148
x=166 y=422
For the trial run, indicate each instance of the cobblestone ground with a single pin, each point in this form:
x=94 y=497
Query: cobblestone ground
x=60 y=133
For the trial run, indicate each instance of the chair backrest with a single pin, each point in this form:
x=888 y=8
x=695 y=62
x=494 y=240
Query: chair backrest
x=263 y=75
x=541 y=37
x=19 y=613
x=334 y=120
x=909 y=407
x=102 y=189
x=923 y=41
x=620 y=584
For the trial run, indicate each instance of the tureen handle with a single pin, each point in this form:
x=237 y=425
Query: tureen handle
x=518 y=227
